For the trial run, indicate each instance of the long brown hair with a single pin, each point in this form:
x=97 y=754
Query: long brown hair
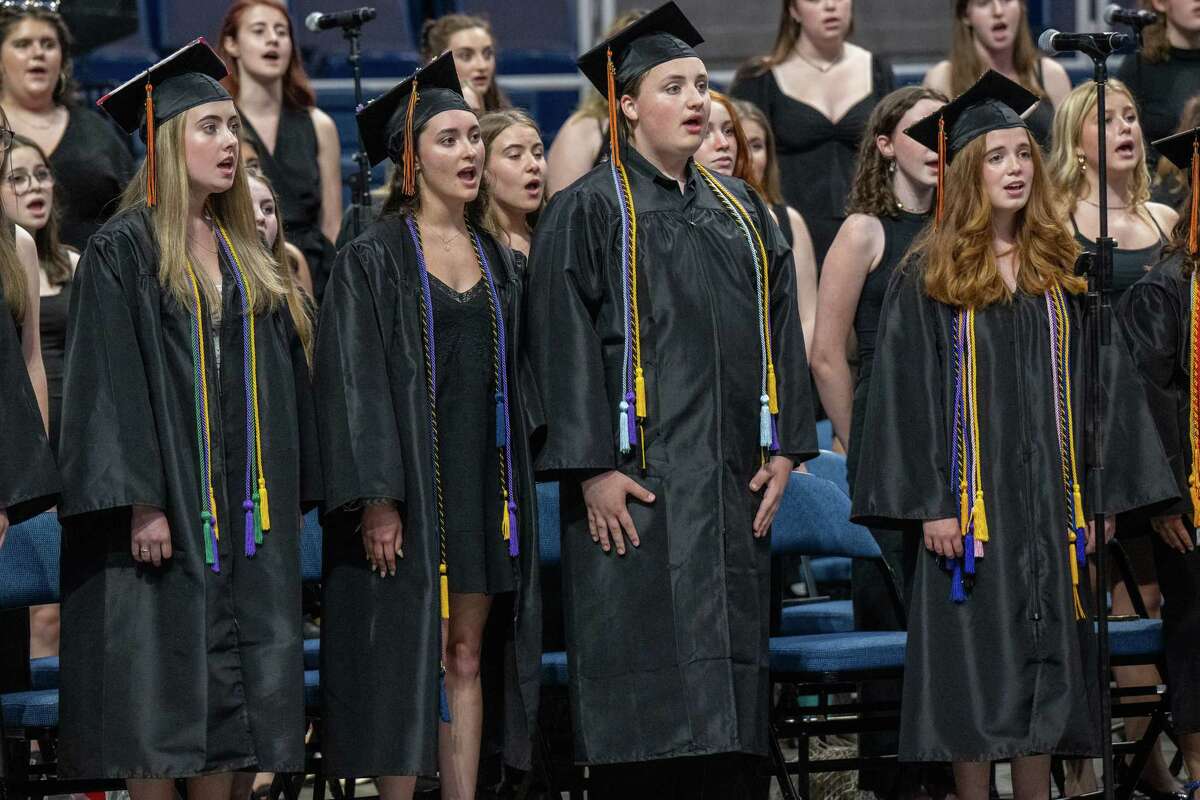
x=966 y=65
x=299 y=304
x=872 y=192
x=786 y=36
x=231 y=208
x=959 y=264
x=53 y=255
x=770 y=185
x=297 y=90
x=64 y=89
x=490 y=126
x=435 y=40
x=1155 y=46
x=397 y=203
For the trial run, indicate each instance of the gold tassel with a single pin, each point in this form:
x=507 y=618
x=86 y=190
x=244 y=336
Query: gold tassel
x=964 y=508
x=505 y=527
x=151 y=171
x=941 y=179
x=409 y=185
x=772 y=394
x=264 y=503
x=639 y=393
x=1074 y=575
x=980 y=517
x=445 y=590
x=1079 y=519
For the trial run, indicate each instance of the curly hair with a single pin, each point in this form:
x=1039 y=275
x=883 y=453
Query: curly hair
x=872 y=192
x=960 y=267
x=1065 y=170
x=966 y=65
x=435 y=40
x=65 y=88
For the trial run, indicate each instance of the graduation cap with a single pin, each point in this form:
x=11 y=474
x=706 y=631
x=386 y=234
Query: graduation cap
x=993 y=103
x=187 y=78
x=388 y=123
x=1183 y=150
x=663 y=35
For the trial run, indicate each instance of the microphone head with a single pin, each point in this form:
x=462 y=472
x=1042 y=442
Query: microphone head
x=366 y=13
x=1045 y=42
x=1118 y=40
x=313 y=21
x=1110 y=12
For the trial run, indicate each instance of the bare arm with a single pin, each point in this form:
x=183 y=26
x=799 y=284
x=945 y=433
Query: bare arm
x=854 y=253
x=938 y=78
x=573 y=152
x=1057 y=82
x=31 y=335
x=805 y=259
x=329 y=163
x=303 y=275
x=1166 y=217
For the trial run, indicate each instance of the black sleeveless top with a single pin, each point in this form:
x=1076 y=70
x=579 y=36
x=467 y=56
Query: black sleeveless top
x=1128 y=265
x=293 y=171
x=785 y=224
x=1041 y=121
x=898 y=234
x=53 y=327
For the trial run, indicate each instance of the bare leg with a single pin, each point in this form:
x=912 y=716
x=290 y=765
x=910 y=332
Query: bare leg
x=1031 y=778
x=210 y=787
x=396 y=787
x=151 y=789
x=243 y=783
x=458 y=742
x=972 y=779
x=1189 y=744
x=43 y=630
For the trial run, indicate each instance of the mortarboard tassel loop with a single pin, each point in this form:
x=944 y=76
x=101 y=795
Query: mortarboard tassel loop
x=941 y=178
x=1195 y=210
x=409 y=185
x=151 y=171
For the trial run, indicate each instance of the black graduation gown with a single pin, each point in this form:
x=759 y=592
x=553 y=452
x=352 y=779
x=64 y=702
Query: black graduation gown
x=176 y=671
x=668 y=644
x=1009 y=672
x=380 y=637
x=1156 y=316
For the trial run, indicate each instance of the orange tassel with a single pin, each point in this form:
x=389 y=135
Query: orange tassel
x=941 y=179
x=1192 y=244
x=409 y=186
x=151 y=172
x=613 y=151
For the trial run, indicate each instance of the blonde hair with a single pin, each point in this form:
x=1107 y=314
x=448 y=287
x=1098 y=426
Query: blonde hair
x=966 y=65
x=960 y=266
x=1066 y=172
x=233 y=209
x=299 y=304
x=492 y=125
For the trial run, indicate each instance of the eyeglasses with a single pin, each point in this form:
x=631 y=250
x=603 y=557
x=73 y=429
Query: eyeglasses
x=22 y=182
x=6 y=140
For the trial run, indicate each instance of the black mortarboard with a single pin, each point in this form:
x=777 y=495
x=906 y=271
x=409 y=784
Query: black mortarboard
x=663 y=35
x=187 y=78
x=389 y=123
x=1183 y=150
x=993 y=103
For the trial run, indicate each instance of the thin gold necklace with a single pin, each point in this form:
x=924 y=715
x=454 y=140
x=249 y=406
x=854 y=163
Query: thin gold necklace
x=1110 y=206
x=819 y=68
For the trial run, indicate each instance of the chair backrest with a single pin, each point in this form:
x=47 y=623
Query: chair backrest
x=832 y=467
x=554 y=31
x=549 y=524
x=310 y=548
x=29 y=562
x=814 y=520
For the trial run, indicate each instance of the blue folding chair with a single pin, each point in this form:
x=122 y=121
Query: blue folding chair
x=813 y=520
x=816 y=613
x=29 y=570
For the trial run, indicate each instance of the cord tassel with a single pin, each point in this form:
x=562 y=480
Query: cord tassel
x=443 y=700
x=964 y=508
x=633 y=423
x=514 y=540
x=772 y=392
x=958 y=592
x=501 y=440
x=979 y=517
x=764 y=422
x=505 y=529
x=1072 y=539
x=258 y=529
x=444 y=593
x=969 y=554
x=263 y=502
x=774 y=436
x=151 y=171
x=623 y=428
x=639 y=393
x=209 y=557
x=248 y=507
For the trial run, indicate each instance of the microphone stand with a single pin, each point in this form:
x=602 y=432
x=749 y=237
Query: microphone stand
x=360 y=193
x=1097 y=267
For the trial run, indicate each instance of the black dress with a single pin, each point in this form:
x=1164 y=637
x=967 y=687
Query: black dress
x=1161 y=90
x=294 y=172
x=476 y=556
x=1041 y=121
x=1156 y=317
x=1010 y=671
x=673 y=661
x=873 y=610
x=785 y=224
x=816 y=155
x=91 y=165
x=178 y=670
x=373 y=414
x=53 y=325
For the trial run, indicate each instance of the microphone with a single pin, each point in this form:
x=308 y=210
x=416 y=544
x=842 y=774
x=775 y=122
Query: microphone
x=316 y=21
x=1103 y=44
x=1133 y=17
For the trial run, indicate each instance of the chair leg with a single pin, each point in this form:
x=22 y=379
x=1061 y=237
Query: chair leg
x=781 y=766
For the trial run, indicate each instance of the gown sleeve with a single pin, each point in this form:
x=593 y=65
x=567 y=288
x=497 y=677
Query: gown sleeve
x=563 y=347
x=903 y=470
x=108 y=448
x=311 y=485
x=1149 y=315
x=29 y=480
x=796 y=421
x=355 y=411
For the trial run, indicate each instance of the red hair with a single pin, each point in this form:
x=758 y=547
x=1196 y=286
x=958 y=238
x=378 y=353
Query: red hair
x=297 y=91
